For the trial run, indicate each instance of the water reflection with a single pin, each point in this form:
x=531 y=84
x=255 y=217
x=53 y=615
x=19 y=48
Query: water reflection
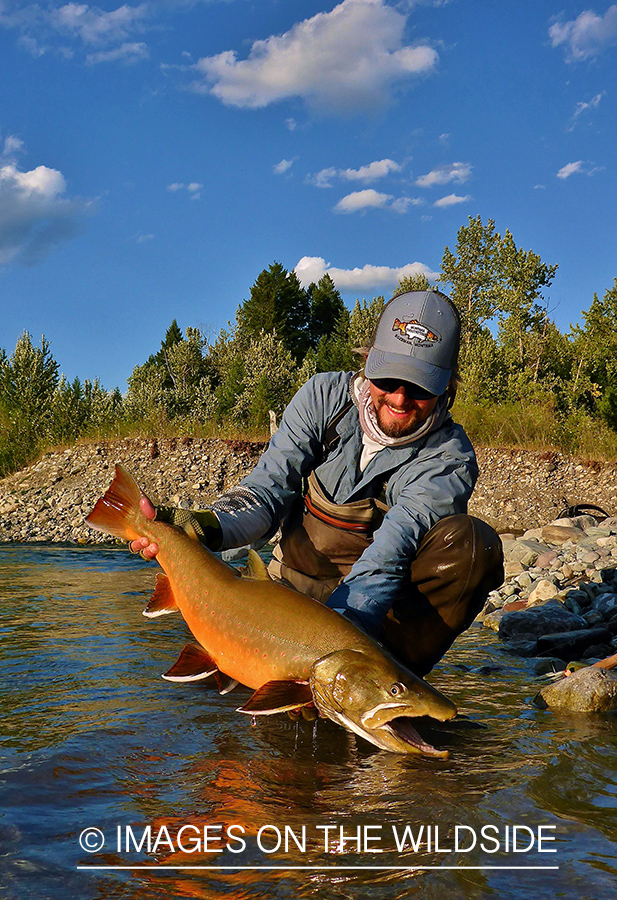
x=91 y=736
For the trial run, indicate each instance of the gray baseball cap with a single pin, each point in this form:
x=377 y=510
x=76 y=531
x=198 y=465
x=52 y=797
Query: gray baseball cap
x=417 y=340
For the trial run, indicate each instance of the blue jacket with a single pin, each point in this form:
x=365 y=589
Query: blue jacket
x=427 y=480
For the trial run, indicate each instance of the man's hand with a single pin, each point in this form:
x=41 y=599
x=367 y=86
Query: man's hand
x=142 y=545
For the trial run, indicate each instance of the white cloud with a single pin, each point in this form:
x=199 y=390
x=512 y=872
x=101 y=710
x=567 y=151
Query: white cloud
x=577 y=168
x=451 y=200
x=283 y=166
x=346 y=60
x=323 y=178
x=125 y=53
x=570 y=169
x=359 y=200
x=34 y=213
x=312 y=268
x=371 y=172
x=586 y=36
x=583 y=107
x=12 y=145
x=93 y=25
x=457 y=171
x=42 y=28
x=193 y=188
x=378 y=169
x=402 y=204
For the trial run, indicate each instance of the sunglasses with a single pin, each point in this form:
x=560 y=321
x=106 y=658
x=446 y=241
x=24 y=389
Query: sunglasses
x=412 y=391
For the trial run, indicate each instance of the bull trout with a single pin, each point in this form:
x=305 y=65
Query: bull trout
x=289 y=648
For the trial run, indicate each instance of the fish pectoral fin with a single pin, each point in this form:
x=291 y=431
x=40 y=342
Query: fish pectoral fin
x=162 y=600
x=256 y=567
x=278 y=696
x=193 y=664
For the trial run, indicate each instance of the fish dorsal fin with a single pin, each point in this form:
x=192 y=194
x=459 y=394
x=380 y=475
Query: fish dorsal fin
x=256 y=567
x=162 y=600
x=193 y=664
x=278 y=696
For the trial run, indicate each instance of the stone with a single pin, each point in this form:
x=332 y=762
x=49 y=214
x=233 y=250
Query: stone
x=543 y=591
x=493 y=619
x=522 y=645
x=571 y=644
x=597 y=651
x=547 y=665
x=550 y=617
x=559 y=534
x=587 y=690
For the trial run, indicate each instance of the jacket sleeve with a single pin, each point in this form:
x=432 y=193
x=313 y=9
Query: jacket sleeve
x=437 y=483
x=256 y=507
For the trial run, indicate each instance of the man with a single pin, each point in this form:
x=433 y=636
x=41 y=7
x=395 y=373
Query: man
x=369 y=477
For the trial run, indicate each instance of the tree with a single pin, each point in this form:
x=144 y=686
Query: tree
x=363 y=321
x=412 y=283
x=326 y=309
x=278 y=304
x=28 y=380
x=594 y=373
x=269 y=381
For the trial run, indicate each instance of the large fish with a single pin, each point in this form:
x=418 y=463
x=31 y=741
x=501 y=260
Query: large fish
x=293 y=650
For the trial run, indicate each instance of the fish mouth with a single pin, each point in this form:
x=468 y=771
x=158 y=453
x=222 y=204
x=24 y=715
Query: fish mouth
x=393 y=732
x=401 y=731
x=397 y=731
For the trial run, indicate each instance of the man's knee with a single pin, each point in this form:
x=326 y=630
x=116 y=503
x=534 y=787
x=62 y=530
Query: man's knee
x=458 y=562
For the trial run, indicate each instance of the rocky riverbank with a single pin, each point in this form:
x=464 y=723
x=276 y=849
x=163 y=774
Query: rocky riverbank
x=517 y=490
x=559 y=600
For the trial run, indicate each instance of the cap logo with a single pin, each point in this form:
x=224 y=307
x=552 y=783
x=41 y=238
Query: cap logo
x=413 y=332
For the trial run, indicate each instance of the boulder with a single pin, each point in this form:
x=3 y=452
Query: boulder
x=539 y=620
x=587 y=690
x=571 y=644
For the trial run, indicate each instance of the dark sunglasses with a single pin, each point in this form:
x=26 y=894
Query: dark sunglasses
x=413 y=391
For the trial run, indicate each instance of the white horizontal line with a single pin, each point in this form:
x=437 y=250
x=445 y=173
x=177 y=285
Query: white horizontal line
x=323 y=868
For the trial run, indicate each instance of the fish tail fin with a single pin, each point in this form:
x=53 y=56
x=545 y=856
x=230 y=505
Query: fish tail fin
x=118 y=512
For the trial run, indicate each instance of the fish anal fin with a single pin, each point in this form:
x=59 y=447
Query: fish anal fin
x=193 y=664
x=278 y=696
x=162 y=600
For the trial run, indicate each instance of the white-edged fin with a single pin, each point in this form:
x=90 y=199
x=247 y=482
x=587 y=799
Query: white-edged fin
x=278 y=696
x=193 y=664
x=225 y=683
x=162 y=602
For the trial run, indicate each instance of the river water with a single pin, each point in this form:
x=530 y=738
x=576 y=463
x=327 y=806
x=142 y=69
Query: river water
x=191 y=799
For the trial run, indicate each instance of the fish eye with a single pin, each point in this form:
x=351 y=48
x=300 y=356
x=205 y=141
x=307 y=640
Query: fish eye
x=397 y=689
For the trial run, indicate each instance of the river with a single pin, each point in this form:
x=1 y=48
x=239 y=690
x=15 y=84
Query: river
x=173 y=794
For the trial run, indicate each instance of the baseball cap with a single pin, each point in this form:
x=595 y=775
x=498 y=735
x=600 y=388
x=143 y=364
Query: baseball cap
x=416 y=340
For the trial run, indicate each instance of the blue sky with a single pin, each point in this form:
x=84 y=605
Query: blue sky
x=156 y=156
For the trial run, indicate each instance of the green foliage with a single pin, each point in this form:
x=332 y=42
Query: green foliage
x=279 y=305
x=326 y=309
x=363 y=321
x=268 y=383
x=412 y=283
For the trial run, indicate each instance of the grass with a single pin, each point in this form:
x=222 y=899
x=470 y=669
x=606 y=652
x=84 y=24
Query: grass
x=511 y=425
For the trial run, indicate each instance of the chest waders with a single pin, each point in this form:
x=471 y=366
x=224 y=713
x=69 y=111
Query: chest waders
x=458 y=562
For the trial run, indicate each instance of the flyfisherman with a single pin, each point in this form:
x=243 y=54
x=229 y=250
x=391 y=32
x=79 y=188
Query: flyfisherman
x=369 y=478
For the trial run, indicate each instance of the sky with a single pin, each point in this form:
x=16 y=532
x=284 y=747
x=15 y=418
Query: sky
x=156 y=156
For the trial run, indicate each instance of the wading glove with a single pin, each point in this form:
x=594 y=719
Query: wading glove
x=203 y=523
